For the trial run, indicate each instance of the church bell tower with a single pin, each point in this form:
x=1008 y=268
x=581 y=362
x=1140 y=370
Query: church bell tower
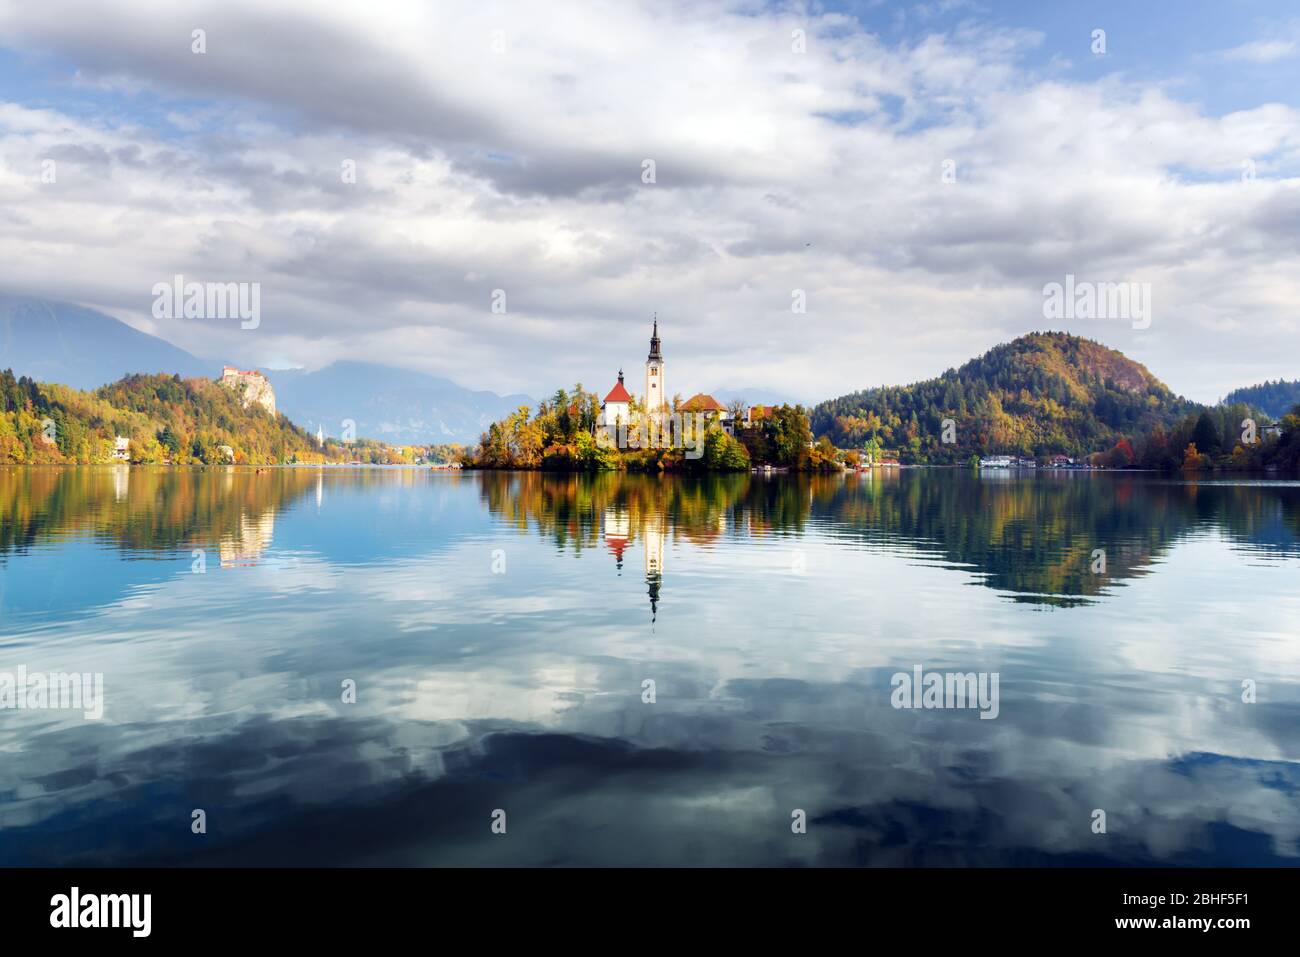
x=655 y=391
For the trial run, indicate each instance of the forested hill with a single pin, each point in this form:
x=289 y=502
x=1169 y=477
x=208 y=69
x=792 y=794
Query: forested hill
x=1275 y=399
x=166 y=418
x=1041 y=394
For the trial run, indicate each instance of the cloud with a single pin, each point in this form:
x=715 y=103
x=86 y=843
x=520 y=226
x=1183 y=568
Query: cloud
x=503 y=148
x=1262 y=51
x=1282 y=43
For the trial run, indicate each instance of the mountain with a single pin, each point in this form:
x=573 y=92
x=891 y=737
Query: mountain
x=1040 y=394
x=392 y=405
x=753 y=395
x=1275 y=399
x=59 y=342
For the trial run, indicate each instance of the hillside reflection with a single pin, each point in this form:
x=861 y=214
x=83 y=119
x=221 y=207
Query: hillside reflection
x=1040 y=538
x=1035 y=538
x=156 y=511
x=146 y=510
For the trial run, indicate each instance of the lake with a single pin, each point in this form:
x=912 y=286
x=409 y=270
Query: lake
x=406 y=667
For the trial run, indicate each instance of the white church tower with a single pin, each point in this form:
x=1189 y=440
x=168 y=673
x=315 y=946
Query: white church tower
x=656 y=393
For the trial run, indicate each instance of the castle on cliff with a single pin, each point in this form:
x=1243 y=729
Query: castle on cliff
x=253 y=387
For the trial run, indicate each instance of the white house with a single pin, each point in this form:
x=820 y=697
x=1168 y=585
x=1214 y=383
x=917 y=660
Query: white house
x=122 y=448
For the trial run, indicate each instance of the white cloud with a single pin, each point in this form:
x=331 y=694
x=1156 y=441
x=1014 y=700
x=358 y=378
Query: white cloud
x=521 y=170
x=1262 y=51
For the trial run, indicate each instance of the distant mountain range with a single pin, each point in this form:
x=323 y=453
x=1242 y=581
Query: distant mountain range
x=1044 y=391
x=753 y=396
x=1273 y=398
x=59 y=342
x=1040 y=394
x=389 y=404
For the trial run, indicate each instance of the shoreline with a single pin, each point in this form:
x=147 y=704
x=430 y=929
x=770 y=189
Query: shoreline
x=1272 y=474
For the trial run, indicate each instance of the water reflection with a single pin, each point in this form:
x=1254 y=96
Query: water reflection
x=770 y=612
x=1031 y=537
x=143 y=511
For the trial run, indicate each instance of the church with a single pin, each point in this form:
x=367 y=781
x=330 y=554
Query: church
x=617 y=407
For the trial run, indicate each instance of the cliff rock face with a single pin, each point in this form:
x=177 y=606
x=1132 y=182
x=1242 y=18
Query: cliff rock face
x=256 y=388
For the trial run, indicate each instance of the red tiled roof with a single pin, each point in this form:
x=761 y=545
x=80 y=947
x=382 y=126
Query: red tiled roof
x=702 y=403
x=618 y=394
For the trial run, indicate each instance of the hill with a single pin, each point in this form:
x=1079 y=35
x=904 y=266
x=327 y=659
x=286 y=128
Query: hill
x=165 y=418
x=51 y=341
x=1274 y=399
x=1038 y=395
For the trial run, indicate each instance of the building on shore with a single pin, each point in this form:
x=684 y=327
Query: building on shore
x=618 y=403
x=615 y=410
x=253 y=387
x=656 y=390
x=711 y=409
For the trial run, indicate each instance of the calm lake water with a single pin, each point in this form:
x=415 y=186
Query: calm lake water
x=500 y=630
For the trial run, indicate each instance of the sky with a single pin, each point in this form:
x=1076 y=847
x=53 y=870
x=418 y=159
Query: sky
x=913 y=174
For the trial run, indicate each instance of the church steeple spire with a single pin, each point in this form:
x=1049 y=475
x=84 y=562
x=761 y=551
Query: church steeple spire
x=655 y=390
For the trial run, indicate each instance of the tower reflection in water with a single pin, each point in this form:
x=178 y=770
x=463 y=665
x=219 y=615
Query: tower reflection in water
x=653 y=532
